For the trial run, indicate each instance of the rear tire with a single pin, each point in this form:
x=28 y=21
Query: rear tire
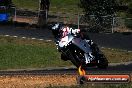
x=103 y=62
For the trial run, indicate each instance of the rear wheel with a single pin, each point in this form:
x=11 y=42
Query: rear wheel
x=103 y=62
x=95 y=49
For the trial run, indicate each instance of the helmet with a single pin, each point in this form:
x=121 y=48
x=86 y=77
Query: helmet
x=56 y=26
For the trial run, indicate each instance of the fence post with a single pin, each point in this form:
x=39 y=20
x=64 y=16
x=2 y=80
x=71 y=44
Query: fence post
x=46 y=15
x=113 y=22
x=78 y=21
x=15 y=14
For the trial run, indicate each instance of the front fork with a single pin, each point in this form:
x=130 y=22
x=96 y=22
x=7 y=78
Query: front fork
x=88 y=57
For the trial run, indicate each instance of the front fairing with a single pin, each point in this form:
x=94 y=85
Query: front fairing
x=65 y=41
x=82 y=44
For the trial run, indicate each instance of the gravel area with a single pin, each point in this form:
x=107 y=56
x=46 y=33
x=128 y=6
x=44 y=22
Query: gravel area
x=37 y=81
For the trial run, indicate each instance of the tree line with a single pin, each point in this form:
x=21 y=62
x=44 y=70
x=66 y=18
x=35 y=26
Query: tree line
x=105 y=7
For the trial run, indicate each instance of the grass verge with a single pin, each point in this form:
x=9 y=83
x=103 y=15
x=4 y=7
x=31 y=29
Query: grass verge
x=18 y=53
x=55 y=5
x=27 y=4
x=117 y=55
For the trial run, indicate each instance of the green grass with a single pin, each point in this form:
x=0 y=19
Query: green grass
x=21 y=53
x=27 y=4
x=17 y=53
x=117 y=55
x=65 y=6
x=55 y=6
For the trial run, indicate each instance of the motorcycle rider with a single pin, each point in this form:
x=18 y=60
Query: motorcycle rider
x=61 y=31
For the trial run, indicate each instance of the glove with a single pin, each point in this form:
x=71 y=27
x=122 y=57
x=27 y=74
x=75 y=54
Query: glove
x=75 y=31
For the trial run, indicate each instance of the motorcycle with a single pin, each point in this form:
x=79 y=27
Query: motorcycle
x=79 y=50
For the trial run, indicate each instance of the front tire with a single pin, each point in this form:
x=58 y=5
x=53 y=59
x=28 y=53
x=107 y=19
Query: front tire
x=75 y=62
x=78 y=59
x=81 y=80
x=64 y=57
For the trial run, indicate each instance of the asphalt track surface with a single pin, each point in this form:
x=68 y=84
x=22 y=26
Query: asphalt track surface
x=116 y=40
x=26 y=32
x=118 y=68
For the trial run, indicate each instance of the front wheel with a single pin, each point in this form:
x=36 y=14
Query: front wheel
x=64 y=57
x=75 y=61
x=78 y=59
